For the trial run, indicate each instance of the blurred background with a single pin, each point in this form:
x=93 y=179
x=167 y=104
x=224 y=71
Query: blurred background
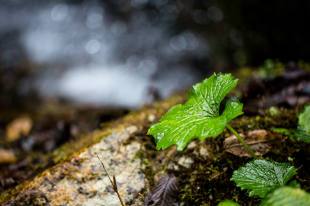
x=125 y=53
x=67 y=66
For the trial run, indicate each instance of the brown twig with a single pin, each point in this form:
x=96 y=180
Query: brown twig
x=112 y=183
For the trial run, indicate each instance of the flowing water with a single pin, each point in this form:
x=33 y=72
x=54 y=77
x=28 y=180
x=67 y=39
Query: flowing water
x=117 y=52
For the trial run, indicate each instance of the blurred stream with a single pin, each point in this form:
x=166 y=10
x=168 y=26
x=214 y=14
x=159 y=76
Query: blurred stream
x=107 y=53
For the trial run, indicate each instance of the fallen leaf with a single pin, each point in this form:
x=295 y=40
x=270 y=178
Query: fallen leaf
x=18 y=126
x=165 y=193
x=260 y=141
x=7 y=156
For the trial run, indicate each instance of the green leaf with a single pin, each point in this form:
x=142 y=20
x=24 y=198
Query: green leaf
x=228 y=203
x=281 y=130
x=304 y=119
x=199 y=116
x=286 y=196
x=294 y=183
x=262 y=176
x=301 y=134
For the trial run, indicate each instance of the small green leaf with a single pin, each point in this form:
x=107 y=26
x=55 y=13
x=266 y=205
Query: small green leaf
x=281 y=130
x=199 y=116
x=228 y=203
x=304 y=119
x=286 y=196
x=262 y=176
x=294 y=183
x=301 y=134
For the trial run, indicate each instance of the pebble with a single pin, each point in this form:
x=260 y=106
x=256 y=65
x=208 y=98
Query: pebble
x=185 y=161
x=192 y=145
x=203 y=151
x=151 y=118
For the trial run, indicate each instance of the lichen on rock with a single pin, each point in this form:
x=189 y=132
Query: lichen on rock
x=82 y=181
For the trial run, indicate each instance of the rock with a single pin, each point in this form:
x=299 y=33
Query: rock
x=7 y=156
x=82 y=180
x=78 y=177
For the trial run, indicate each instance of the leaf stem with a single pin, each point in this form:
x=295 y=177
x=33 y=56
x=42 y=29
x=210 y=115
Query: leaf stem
x=242 y=141
x=113 y=184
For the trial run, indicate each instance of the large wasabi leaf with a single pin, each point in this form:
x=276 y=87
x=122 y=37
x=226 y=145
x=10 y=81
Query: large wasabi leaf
x=228 y=203
x=262 y=176
x=304 y=119
x=199 y=116
x=286 y=196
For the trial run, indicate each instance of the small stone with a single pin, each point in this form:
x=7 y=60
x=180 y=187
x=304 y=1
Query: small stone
x=192 y=145
x=7 y=156
x=185 y=161
x=195 y=152
x=151 y=118
x=203 y=151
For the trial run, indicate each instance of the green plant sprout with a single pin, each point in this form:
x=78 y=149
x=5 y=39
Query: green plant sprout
x=199 y=116
x=269 y=179
x=114 y=186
